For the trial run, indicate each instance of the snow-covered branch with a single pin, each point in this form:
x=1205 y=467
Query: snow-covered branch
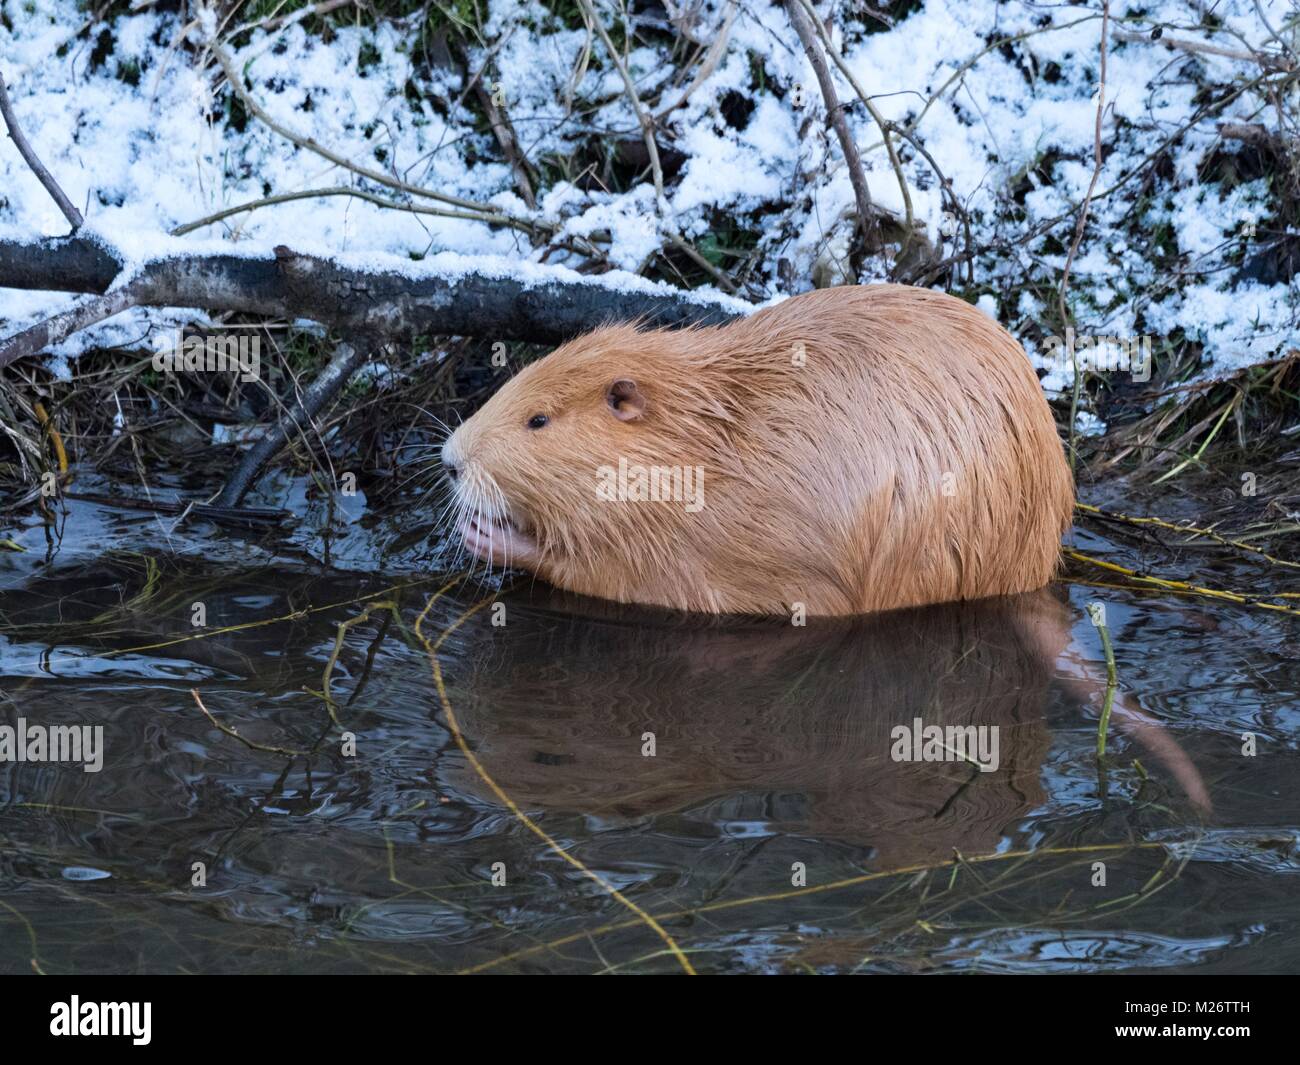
x=536 y=304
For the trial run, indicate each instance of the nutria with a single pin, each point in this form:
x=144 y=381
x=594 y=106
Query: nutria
x=849 y=450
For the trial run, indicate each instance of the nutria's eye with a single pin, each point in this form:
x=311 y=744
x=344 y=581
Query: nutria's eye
x=537 y=421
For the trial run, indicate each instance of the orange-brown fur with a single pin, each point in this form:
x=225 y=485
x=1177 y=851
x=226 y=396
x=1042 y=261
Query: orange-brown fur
x=824 y=482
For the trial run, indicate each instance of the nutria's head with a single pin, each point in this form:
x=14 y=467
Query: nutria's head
x=527 y=468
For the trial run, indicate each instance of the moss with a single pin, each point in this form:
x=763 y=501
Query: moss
x=104 y=42
x=128 y=71
x=368 y=57
x=236 y=114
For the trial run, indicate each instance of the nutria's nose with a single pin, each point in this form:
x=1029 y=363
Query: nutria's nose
x=451 y=461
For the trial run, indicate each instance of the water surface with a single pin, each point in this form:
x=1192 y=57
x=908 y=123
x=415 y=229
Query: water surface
x=771 y=829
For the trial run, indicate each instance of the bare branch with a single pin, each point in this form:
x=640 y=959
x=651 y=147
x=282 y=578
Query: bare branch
x=51 y=331
x=876 y=116
x=504 y=131
x=38 y=168
x=482 y=212
x=1097 y=162
x=278 y=21
x=835 y=115
x=312 y=194
x=642 y=116
x=1267 y=60
x=348 y=358
x=708 y=64
x=380 y=303
x=1249 y=132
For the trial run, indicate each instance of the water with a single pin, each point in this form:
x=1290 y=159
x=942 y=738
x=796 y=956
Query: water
x=771 y=830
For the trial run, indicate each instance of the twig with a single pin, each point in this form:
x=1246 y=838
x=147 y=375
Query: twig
x=278 y=21
x=483 y=213
x=1263 y=17
x=1079 y=227
x=227 y=730
x=1267 y=60
x=642 y=116
x=961 y=71
x=835 y=116
x=1253 y=133
x=876 y=116
x=709 y=64
x=817 y=889
x=1097 y=612
x=1228 y=408
x=1049 y=224
x=945 y=186
x=339 y=636
x=504 y=131
x=311 y=194
x=47 y=423
x=1187 y=588
x=693 y=253
x=38 y=168
x=348 y=358
x=1188 y=530
x=431 y=648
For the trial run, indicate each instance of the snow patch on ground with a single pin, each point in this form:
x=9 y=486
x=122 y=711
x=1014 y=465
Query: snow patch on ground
x=147 y=157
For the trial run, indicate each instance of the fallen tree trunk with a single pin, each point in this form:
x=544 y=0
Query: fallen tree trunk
x=381 y=303
x=57 y=264
x=358 y=303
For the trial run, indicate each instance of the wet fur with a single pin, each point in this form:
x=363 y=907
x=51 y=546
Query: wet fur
x=824 y=483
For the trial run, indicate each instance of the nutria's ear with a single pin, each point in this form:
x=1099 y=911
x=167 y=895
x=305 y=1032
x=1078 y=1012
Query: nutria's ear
x=625 y=400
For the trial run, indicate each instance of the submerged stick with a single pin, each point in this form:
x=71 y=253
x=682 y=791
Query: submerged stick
x=227 y=730
x=431 y=648
x=348 y=358
x=1187 y=529
x=1254 y=599
x=821 y=889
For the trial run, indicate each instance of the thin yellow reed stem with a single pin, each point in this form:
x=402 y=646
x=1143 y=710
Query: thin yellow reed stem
x=1190 y=530
x=432 y=649
x=1186 y=587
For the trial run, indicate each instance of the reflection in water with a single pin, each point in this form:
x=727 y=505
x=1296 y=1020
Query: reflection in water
x=772 y=750
x=771 y=727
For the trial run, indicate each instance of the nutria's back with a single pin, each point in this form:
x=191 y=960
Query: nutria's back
x=853 y=449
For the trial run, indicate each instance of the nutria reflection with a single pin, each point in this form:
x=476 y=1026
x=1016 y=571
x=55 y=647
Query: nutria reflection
x=794 y=726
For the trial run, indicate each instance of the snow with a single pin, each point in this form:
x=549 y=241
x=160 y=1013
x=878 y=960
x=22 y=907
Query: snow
x=142 y=159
